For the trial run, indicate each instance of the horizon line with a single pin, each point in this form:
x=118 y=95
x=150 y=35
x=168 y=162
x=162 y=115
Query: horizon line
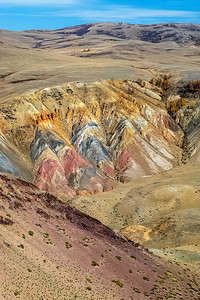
x=92 y=23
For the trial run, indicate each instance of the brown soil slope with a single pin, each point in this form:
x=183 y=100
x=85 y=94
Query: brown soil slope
x=51 y=251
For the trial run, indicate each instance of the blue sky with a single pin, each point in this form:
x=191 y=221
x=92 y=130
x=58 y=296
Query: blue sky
x=54 y=14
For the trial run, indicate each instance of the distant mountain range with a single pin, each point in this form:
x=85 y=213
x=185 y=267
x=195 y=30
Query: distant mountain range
x=85 y=35
x=41 y=58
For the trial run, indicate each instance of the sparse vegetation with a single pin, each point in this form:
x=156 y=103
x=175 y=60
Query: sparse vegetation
x=68 y=245
x=31 y=233
x=145 y=278
x=162 y=82
x=174 y=106
x=46 y=235
x=193 y=86
x=46 y=239
x=118 y=257
x=16 y=293
x=118 y=283
x=136 y=290
x=133 y=256
x=94 y=263
x=146 y=294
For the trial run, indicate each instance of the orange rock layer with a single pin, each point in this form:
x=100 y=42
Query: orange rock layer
x=81 y=139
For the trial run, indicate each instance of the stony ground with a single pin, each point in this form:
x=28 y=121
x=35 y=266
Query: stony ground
x=51 y=251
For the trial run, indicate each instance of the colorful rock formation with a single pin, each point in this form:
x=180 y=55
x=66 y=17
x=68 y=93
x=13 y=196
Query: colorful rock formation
x=81 y=139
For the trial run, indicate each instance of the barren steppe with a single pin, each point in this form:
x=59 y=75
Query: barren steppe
x=41 y=58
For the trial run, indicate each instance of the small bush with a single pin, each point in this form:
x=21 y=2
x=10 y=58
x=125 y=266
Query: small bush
x=118 y=283
x=176 y=105
x=21 y=246
x=46 y=235
x=145 y=278
x=31 y=233
x=88 y=288
x=136 y=290
x=16 y=292
x=94 y=263
x=193 y=86
x=162 y=81
x=68 y=245
x=118 y=257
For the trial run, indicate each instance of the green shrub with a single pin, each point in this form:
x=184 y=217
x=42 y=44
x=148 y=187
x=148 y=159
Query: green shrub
x=68 y=245
x=118 y=283
x=46 y=235
x=16 y=292
x=145 y=278
x=118 y=257
x=31 y=233
x=94 y=263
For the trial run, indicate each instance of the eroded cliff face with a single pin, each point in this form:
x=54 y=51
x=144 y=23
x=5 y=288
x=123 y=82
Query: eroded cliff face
x=83 y=139
x=189 y=121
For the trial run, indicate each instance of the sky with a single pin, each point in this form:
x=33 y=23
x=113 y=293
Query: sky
x=55 y=14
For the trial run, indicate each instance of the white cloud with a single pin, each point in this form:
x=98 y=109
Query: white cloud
x=37 y=2
x=127 y=13
x=91 y=11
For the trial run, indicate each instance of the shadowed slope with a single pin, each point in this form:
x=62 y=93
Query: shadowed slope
x=48 y=248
